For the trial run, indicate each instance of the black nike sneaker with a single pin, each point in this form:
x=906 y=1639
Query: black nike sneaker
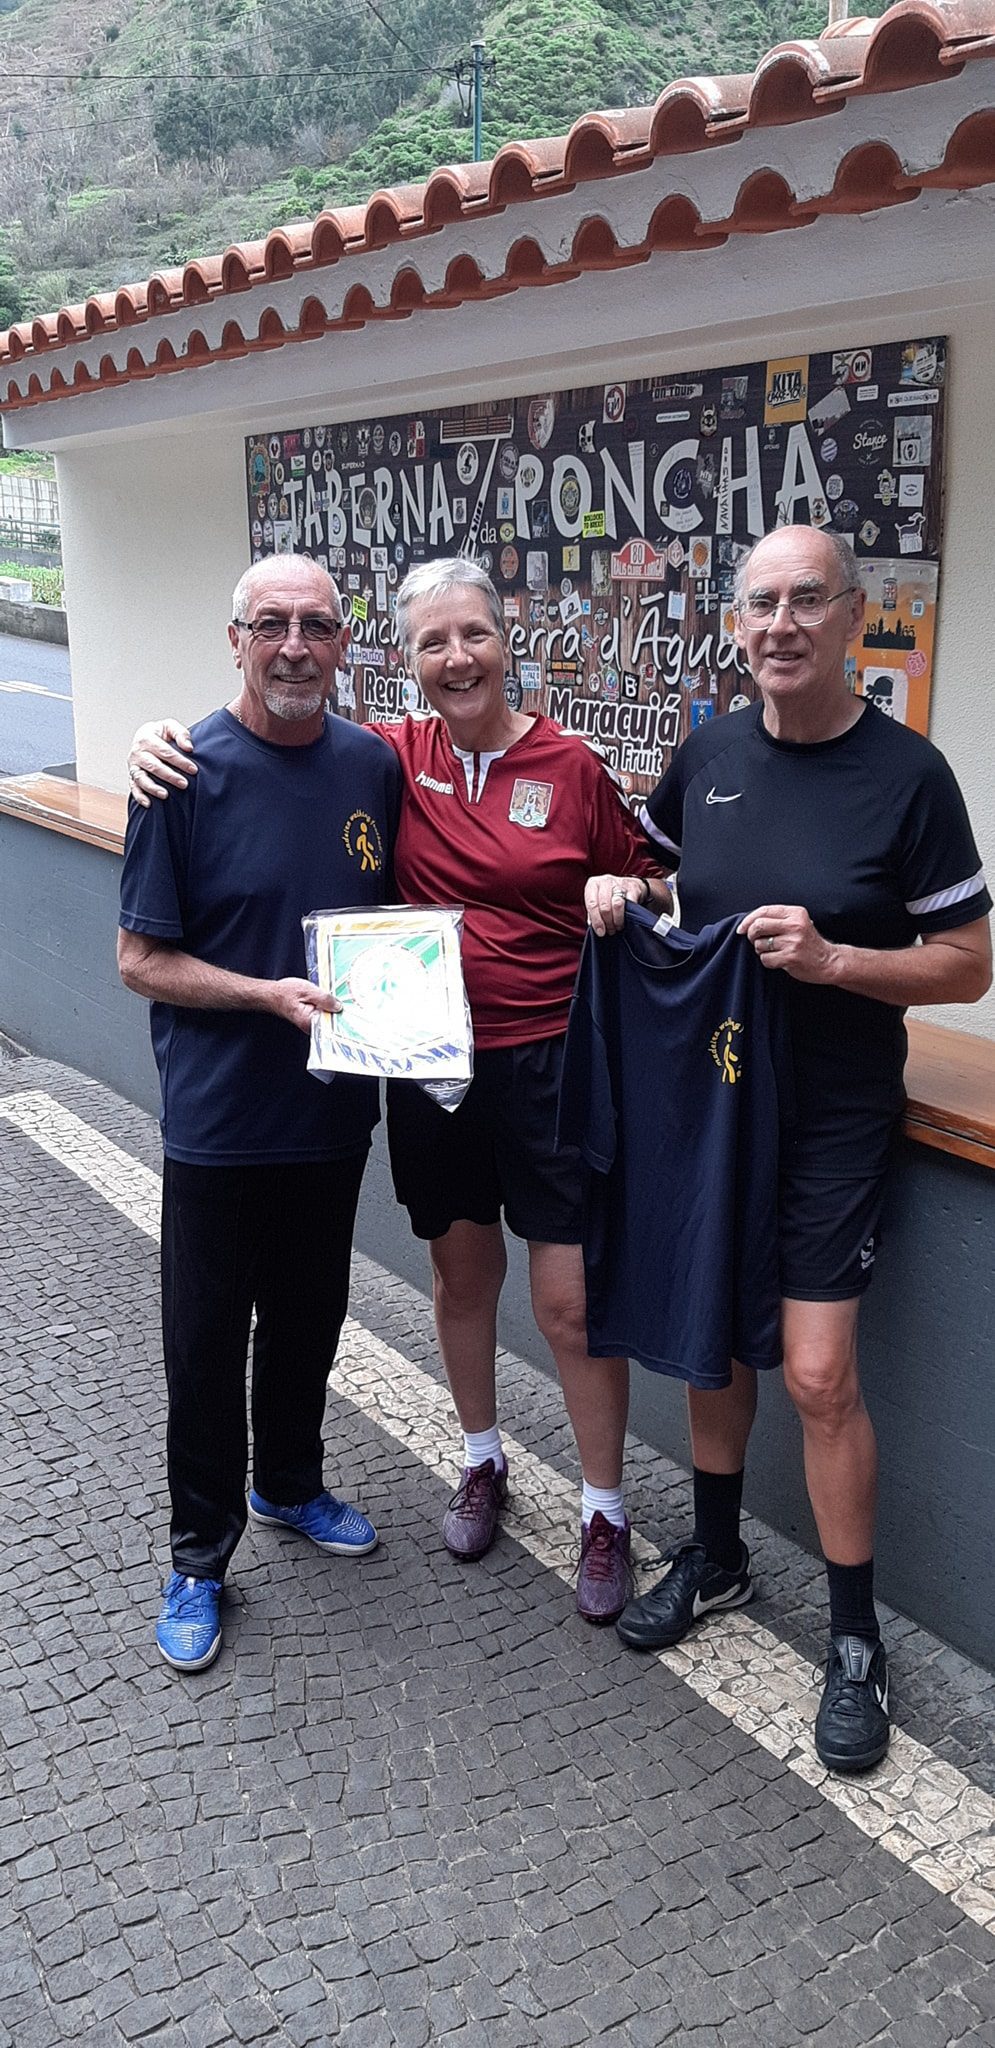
x=692 y=1589
x=852 y=1726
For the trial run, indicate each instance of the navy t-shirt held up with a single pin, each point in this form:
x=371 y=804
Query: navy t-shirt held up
x=676 y=1081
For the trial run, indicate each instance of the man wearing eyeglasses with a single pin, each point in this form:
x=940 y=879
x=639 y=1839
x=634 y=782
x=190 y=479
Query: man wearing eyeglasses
x=847 y=835
x=289 y=811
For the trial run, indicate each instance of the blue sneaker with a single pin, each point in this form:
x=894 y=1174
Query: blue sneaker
x=188 y=1631
x=331 y=1524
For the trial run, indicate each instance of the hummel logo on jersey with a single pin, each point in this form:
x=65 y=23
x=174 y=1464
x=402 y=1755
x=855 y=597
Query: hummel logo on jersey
x=429 y=782
x=714 y=798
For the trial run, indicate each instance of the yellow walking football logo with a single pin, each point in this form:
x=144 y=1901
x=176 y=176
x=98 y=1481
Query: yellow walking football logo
x=723 y=1048
x=361 y=838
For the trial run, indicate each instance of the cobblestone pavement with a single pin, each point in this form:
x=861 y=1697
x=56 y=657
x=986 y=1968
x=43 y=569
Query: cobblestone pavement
x=414 y=1802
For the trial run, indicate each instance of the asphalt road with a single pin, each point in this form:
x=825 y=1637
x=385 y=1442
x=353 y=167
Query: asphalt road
x=36 y=709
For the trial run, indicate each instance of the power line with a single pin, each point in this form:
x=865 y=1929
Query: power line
x=212 y=77
x=391 y=30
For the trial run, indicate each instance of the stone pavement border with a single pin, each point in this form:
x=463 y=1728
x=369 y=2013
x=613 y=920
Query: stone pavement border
x=411 y=1802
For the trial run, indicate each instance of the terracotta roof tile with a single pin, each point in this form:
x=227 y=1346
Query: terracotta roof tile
x=916 y=43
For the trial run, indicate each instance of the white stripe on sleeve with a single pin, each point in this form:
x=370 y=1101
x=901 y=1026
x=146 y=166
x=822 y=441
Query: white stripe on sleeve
x=941 y=899
x=654 y=833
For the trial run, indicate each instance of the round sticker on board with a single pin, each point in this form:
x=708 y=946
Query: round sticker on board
x=378 y=439
x=915 y=663
x=834 y=486
x=366 y=508
x=508 y=563
x=569 y=496
x=508 y=461
x=394 y=444
x=467 y=463
x=541 y=421
x=274 y=447
x=680 y=484
x=513 y=692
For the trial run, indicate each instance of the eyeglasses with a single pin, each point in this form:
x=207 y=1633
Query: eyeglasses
x=807 y=608
x=274 y=626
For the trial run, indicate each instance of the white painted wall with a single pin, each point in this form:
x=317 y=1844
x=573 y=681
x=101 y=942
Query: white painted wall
x=962 y=709
x=154 y=541
x=155 y=522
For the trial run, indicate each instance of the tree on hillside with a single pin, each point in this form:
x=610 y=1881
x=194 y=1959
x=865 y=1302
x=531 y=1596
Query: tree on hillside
x=12 y=306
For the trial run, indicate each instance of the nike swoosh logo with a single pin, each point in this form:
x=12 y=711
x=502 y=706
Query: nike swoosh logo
x=700 y=1606
x=714 y=798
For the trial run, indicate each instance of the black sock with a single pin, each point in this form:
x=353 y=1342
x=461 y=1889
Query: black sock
x=851 y=1600
x=717 y=1500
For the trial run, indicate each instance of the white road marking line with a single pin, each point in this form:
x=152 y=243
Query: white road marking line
x=927 y=1814
x=36 y=690
x=133 y=1190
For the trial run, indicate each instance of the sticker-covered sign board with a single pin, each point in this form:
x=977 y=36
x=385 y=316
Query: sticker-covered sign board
x=612 y=519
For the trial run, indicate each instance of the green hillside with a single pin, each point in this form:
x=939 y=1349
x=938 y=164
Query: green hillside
x=147 y=131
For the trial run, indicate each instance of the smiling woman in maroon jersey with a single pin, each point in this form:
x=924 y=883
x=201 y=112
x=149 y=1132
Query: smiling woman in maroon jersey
x=506 y=814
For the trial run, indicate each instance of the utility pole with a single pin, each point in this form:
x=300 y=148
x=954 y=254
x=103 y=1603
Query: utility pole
x=477 y=54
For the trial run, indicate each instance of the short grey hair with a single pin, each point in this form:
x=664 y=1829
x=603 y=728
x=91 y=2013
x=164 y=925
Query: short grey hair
x=430 y=579
x=846 y=560
x=244 y=589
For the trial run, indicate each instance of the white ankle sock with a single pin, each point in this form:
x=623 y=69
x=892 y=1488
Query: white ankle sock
x=602 y=1500
x=482 y=1444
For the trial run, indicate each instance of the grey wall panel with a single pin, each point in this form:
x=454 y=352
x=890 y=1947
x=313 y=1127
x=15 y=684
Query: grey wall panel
x=60 y=994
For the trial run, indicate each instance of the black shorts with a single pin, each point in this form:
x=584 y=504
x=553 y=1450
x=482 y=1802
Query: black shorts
x=828 y=1233
x=495 y=1152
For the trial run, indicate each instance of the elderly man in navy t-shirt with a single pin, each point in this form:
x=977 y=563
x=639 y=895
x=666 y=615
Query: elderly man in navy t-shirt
x=288 y=811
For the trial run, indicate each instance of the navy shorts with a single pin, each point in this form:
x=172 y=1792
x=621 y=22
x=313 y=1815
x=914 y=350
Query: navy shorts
x=494 y=1153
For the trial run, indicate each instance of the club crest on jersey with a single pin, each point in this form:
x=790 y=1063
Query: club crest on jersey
x=530 y=803
x=725 y=1046
x=362 y=841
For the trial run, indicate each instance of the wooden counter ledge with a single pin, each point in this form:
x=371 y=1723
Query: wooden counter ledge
x=93 y=815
